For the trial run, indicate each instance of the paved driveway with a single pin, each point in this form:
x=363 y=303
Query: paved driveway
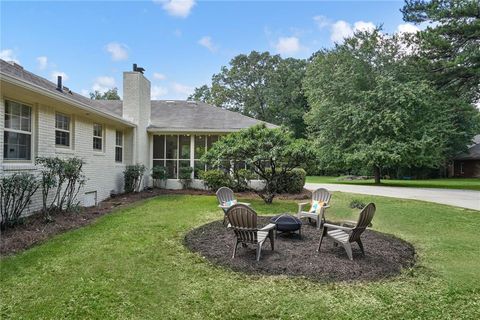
x=461 y=198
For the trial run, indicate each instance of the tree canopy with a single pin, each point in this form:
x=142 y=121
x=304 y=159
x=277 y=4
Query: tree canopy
x=262 y=86
x=269 y=153
x=111 y=94
x=368 y=109
x=450 y=44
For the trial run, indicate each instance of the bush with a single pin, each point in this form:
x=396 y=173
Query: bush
x=66 y=175
x=185 y=176
x=16 y=193
x=293 y=181
x=215 y=179
x=159 y=173
x=357 y=204
x=133 y=176
x=241 y=179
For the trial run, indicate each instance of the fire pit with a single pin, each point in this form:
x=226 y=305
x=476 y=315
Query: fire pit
x=287 y=223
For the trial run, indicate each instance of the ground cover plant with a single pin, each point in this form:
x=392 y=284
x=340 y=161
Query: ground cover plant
x=450 y=183
x=133 y=264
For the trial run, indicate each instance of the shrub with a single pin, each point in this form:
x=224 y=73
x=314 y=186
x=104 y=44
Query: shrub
x=357 y=204
x=215 y=179
x=293 y=181
x=133 y=176
x=159 y=173
x=66 y=175
x=269 y=153
x=185 y=176
x=240 y=180
x=16 y=192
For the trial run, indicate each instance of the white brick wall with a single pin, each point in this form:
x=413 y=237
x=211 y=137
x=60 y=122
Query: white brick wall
x=103 y=173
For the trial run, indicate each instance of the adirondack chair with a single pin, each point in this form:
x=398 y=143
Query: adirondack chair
x=243 y=222
x=224 y=196
x=346 y=235
x=322 y=195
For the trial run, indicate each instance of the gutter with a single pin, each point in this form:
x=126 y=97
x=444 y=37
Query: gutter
x=60 y=97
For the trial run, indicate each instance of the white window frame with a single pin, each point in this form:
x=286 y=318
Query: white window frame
x=118 y=145
x=69 y=131
x=31 y=133
x=101 y=137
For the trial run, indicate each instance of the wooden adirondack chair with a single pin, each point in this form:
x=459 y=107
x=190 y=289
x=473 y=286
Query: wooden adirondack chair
x=225 y=195
x=346 y=235
x=243 y=222
x=322 y=195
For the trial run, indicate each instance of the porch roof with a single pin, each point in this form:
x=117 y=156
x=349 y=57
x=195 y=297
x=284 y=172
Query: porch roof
x=183 y=116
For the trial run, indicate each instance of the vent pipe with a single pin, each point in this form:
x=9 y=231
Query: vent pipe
x=59 y=84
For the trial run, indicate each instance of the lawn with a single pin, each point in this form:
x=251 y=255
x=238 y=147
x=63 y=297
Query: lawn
x=132 y=264
x=450 y=183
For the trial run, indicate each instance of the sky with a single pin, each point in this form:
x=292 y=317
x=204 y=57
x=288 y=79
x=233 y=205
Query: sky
x=180 y=43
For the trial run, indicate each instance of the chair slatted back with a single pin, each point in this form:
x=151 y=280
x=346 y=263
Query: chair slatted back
x=366 y=216
x=322 y=195
x=225 y=194
x=243 y=221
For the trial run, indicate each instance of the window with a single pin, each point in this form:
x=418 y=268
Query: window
x=62 y=130
x=17 y=136
x=175 y=151
x=118 y=146
x=97 y=137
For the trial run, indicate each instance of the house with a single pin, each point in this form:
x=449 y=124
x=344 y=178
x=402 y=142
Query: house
x=467 y=164
x=41 y=118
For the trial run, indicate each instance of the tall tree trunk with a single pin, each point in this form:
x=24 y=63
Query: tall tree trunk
x=376 y=173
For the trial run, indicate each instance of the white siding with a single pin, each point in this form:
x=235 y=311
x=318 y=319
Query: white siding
x=103 y=174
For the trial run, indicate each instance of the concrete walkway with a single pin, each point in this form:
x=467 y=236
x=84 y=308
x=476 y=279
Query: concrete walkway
x=460 y=198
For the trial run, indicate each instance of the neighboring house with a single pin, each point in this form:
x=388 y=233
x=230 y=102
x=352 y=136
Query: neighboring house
x=467 y=164
x=41 y=118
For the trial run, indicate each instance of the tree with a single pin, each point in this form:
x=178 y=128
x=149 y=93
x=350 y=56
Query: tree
x=111 y=94
x=368 y=109
x=270 y=153
x=450 y=45
x=262 y=86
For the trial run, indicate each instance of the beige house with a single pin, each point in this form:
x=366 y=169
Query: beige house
x=41 y=118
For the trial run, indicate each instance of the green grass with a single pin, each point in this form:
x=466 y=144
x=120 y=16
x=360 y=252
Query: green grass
x=450 y=183
x=132 y=264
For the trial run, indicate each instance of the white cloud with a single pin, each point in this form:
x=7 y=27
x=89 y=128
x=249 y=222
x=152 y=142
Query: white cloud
x=42 y=62
x=117 y=50
x=177 y=8
x=407 y=28
x=9 y=55
x=159 y=76
x=85 y=92
x=342 y=29
x=103 y=84
x=288 y=45
x=55 y=74
x=322 y=21
x=182 y=89
x=207 y=43
x=363 y=26
x=158 y=92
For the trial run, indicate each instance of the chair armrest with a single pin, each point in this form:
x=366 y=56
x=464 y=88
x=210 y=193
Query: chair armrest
x=223 y=207
x=326 y=206
x=301 y=205
x=334 y=226
x=244 y=203
x=268 y=227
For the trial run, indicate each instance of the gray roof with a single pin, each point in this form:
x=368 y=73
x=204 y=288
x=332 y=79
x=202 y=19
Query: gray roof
x=473 y=153
x=183 y=115
x=167 y=115
x=18 y=72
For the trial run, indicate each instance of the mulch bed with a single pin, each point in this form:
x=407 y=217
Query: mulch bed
x=34 y=230
x=385 y=255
